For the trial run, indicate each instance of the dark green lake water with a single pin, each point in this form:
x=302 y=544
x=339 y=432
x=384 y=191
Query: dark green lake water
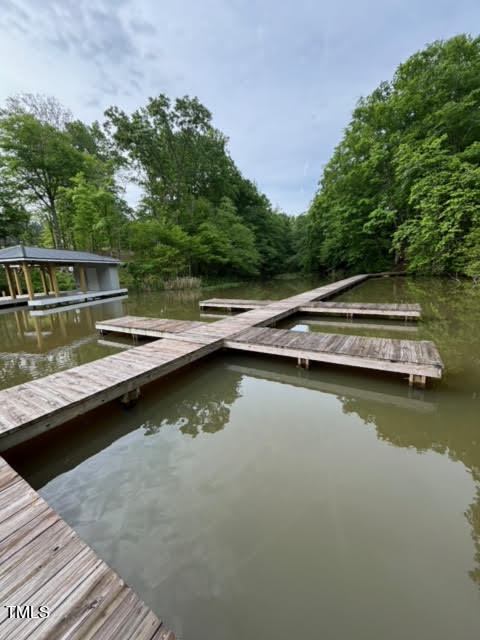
x=247 y=498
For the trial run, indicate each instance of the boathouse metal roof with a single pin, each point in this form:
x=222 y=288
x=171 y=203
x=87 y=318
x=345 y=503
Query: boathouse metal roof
x=21 y=253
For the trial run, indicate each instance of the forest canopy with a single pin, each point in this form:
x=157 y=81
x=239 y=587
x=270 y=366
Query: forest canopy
x=403 y=186
x=62 y=185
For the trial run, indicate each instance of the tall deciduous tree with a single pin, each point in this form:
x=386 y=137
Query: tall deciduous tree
x=403 y=184
x=40 y=160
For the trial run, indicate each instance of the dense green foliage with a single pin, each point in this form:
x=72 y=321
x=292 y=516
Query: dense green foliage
x=403 y=185
x=197 y=216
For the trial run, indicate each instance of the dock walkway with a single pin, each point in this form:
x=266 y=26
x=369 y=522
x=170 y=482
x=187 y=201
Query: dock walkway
x=350 y=309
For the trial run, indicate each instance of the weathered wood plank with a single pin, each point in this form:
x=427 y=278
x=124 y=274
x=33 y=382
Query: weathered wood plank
x=383 y=354
x=44 y=562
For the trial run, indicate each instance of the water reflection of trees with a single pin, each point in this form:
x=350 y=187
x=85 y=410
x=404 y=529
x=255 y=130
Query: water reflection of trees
x=203 y=407
x=452 y=430
x=193 y=402
x=444 y=421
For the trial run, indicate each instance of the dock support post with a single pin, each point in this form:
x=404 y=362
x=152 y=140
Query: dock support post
x=304 y=363
x=28 y=280
x=129 y=399
x=417 y=381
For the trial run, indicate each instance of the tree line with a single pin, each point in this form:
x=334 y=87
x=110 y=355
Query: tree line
x=62 y=185
x=402 y=188
x=401 y=191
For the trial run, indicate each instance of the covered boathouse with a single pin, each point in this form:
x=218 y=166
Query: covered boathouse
x=95 y=276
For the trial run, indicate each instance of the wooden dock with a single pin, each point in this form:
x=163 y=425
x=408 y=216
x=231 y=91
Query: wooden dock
x=44 y=563
x=362 y=309
x=31 y=408
x=349 y=309
x=418 y=359
x=231 y=304
x=148 y=327
x=355 y=326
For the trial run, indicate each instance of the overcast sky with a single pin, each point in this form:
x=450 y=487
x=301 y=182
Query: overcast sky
x=281 y=78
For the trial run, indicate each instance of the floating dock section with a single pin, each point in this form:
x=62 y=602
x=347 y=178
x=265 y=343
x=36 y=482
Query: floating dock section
x=349 y=309
x=418 y=359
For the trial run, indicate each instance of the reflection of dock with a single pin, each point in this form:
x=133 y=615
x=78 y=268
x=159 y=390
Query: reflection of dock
x=114 y=344
x=301 y=379
x=353 y=325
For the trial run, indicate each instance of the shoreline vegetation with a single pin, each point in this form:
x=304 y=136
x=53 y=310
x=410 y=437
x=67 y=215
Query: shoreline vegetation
x=400 y=193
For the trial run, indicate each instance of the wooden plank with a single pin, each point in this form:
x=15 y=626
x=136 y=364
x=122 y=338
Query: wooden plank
x=372 y=353
x=372 y=310
x=44 y=562
x=95 y=607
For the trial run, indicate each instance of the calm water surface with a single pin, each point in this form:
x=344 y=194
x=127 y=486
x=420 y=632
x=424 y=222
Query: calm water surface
x=248 y=498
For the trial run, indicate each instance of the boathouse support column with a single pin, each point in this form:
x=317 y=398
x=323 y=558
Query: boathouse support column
x=83 y=280
x=48 y=280
x=28 y=280
x=17 y=281
x=44 y=281
x=53 y=278
x=11 y=288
